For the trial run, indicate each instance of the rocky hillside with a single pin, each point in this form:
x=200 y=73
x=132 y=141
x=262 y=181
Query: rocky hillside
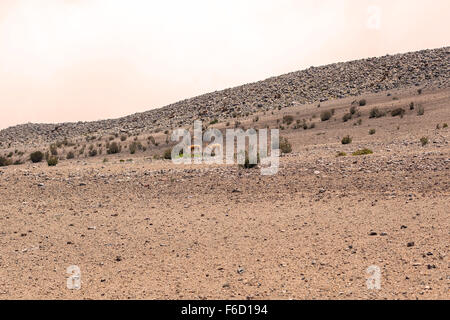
x=422 y=69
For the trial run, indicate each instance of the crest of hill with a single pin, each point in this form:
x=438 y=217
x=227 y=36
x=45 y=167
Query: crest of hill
x=426 y=68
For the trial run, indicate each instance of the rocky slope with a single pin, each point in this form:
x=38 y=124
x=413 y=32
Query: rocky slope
x=421 y=69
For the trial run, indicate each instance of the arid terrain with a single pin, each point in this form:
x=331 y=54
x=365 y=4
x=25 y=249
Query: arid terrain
x=140 y=227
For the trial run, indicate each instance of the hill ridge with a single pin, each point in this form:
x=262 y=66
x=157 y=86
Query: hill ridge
x=333 y=81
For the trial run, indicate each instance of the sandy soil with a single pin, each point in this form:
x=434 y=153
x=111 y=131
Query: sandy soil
x=149 y=229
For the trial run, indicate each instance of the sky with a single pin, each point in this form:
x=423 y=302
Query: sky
x=83 y=60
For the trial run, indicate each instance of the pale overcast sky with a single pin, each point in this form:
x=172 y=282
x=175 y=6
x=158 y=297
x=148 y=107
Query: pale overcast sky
x=71 y=60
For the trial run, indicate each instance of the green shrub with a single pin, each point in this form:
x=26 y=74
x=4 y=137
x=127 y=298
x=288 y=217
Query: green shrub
x=411 y=106
x=326 y=115
x=353 y=110
x=341 y=154
x=214 y=121
x=285 y=145
x=113 y=148
x=445 y=125
x=362 y=152
x=346 y=117
x=362 y=102
x=372 y=131
x=398 y=112
x=167 y=154
x=376 y=113
x=346 y=140
x=52 y=161
x=123 y=138
x=424 y=141
x=36 y=157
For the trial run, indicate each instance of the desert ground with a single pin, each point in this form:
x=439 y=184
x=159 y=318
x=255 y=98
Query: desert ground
x=144 y=228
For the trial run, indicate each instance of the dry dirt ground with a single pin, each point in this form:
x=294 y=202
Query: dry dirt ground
x=149 y=229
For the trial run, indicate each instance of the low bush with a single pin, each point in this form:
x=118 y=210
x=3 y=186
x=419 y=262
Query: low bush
x=326 y=115
x=167 y=154
x=346 y=117
x=341 y=154
x=113 y=148
x=52 y=161
x=398 y=112
x=362 y=102
x=346 y=140
x=424 y=141
x=36 y=156
x=376 y=113
x=362 y=152
x=372 y=131
x=70 y=155
x=285 y=145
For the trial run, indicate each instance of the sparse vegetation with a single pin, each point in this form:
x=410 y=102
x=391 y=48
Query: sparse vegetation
x=52 y=161
x=113 y=148
x=424 y=141
x=445 y=125
x=167 y=154
x=214 y=121
x=411 y=106
x=398 y=112
x=346 y=117
x=346 y=140
x=36 y=156
x=285 y=145
x=376 y=113
x=362 y=152
x=123 y=138
x=372 y=131
x=70 y=155
x=362 y=102
x=341 y=154
x=353 y=110
x=326 y=115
